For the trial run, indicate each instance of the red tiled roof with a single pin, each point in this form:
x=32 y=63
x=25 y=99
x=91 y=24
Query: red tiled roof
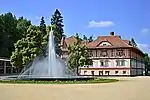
x=126 y=41
x=70 y=40
x=115 y=41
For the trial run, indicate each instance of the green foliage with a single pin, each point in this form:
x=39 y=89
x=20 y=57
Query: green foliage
x=11 y=30
x=43 y=26
x=8 y=35
x=147 y=62
x=78 y=55
x=22 y=41
x=57 y=21
x=29 y=47
x=22 y=26
x=33 y=44
x=133 y=42
x=90 y=81
x=84 y=37
x=90 y=39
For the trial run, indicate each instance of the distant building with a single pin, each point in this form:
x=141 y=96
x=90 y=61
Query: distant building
x=111 y=55
x=6 y=68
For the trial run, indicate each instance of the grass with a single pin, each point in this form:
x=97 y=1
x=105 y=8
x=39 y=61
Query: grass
x=92 y=81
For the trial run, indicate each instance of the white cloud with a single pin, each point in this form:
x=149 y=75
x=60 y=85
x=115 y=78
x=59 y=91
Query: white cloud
x=94 y=23
x=38 y=17
x=144 y=47
x=145 y=31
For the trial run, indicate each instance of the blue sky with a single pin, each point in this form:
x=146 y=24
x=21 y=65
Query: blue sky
x=128 y=18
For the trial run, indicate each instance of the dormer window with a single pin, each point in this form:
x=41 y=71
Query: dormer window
x=104 y=44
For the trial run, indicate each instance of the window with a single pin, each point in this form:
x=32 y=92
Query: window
x=8 y=64
x=104 y=53
x=102 y=63
x=116 y=72
x=133 y=62
x=106 y=63
x=95 y=64
x=92 y=72
x=104 y=44
x=107 y=72
x=100 y=73
x=120 y=52
x=90 y=53
x=85 y=72
x=112 y=52
x=124 y=72
x=1 y=63
x=120 y=62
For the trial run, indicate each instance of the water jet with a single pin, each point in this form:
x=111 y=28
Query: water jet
x=49 y=67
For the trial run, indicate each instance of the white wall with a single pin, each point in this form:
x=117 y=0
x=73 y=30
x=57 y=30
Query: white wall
x=111 y=72
x=111 y=63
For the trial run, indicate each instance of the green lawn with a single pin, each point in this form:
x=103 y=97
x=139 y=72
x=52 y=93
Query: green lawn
x=92 y=81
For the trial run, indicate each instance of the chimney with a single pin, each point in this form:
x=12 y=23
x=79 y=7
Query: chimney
x=112 y=33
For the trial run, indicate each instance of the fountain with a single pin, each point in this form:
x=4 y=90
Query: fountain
x=49 y=67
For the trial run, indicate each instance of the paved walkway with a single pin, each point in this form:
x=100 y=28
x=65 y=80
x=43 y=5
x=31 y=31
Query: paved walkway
x=129 y=88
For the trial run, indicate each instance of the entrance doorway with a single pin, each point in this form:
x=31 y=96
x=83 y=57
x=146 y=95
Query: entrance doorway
x=100 y=73
x=107 y=73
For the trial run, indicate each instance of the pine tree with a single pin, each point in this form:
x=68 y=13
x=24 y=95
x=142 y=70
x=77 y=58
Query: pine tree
x=44 y=33
x=43 y=26
x=85 y=38
x=57 y=21
x=90 y=38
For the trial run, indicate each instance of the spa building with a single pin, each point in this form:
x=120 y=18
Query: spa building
x=111 y=56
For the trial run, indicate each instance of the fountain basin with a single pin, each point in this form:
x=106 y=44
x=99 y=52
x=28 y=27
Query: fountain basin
x=72 y=78
x=59 y=78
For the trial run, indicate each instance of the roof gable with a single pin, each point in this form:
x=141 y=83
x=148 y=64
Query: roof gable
x=115 y=41
x=104 y=43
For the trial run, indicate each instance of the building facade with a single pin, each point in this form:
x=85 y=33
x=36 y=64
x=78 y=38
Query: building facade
x=111 y=55
x=6 y=68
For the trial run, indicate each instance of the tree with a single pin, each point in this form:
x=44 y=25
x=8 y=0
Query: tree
x=133 y=42
x=29 y=47
x=8 y=33
x=78 y=55
x=57 y=21
x=90 y=38
x=147 y=63
x=85 y=38
x=43 y=26
x=41 y=43
x=22 y=26
x=17 y=54
x=11 y=30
